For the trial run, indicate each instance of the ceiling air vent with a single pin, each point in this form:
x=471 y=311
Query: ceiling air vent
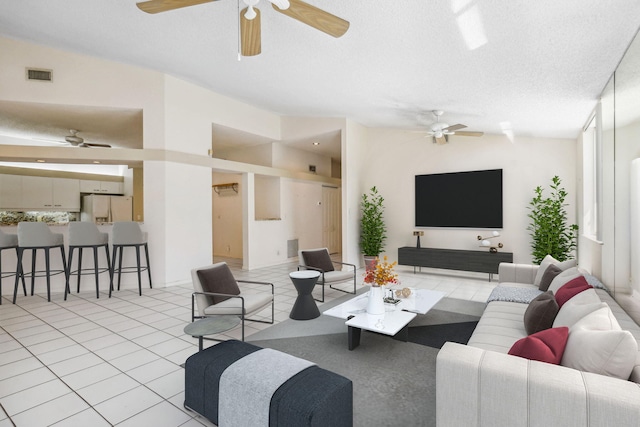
x=39 y=74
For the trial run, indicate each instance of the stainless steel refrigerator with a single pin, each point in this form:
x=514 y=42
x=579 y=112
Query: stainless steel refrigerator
x=100 y=208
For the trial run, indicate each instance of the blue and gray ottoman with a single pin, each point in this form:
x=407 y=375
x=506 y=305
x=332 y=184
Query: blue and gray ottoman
x=236 y=384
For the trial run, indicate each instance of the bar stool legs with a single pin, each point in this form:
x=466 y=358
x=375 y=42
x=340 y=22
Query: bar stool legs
x=10 y=274
x=117 y=254
x=96 y=269
x=47 y=272
x=128 y=234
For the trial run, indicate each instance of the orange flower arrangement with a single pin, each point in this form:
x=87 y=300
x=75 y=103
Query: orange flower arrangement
x=382 y=274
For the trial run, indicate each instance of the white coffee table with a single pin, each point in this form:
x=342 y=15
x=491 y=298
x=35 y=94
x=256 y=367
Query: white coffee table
x=393 y=322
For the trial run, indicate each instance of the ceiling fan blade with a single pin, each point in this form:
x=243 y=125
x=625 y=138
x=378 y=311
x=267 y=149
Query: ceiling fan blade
x=454 y=127
x=316 y=18
x=250 y=34
x=94 y=144
x=440 y=140
x=157 y=6
x=469 y=133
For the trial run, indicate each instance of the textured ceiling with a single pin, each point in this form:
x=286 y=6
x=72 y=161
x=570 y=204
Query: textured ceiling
x=533 y=67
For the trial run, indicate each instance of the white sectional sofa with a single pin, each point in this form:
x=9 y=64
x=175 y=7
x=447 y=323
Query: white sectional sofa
x=479 y=384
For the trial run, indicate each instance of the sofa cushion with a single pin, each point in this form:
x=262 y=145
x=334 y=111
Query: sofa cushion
x=540 y=313
x=592 y=347
x=548 y=260
x=571 y=289
x=549 y=274
x=218 y=279
x=544 y=346
x=499 y=327
x=563 y=278
x=578 y=307
x=319 y=259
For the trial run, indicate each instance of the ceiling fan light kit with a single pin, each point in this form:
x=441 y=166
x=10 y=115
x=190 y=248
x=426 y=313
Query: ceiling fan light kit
x=250 y=30
x=440 y=131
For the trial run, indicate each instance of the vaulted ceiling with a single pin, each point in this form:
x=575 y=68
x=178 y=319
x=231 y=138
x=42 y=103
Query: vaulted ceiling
x=534 y=68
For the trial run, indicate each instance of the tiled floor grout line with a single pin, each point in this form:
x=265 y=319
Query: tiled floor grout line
x=89 y=350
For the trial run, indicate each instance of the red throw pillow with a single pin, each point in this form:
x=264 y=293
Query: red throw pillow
x=544 y=346
x=571 y=289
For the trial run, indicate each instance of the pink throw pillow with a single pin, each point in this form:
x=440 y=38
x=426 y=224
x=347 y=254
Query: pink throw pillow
x=545 y=346
x=571 y=289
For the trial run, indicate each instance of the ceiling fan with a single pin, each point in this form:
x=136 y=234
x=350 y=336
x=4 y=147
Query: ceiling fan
x=76 y=141
x=250 y=18
x=440 y=131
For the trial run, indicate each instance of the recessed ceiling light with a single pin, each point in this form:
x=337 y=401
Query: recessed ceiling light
x=96 y=162
x=41 y=161
x=316 y=143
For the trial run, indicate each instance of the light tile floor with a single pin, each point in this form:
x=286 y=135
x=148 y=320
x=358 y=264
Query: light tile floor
x=116 y=361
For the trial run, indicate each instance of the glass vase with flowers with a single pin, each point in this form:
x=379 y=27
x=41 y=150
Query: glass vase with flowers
x=383 y=274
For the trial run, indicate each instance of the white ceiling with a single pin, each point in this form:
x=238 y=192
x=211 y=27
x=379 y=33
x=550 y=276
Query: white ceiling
x=535 y=68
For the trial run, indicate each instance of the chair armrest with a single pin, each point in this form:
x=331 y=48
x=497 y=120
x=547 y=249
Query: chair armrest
x=346 y=263
x=256 y=283
x=193 y=300
x=217 y=294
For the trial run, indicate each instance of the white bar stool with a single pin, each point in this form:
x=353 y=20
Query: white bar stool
x=34 y=236
x=9 y=241
x=128 y=234
x=86 y=235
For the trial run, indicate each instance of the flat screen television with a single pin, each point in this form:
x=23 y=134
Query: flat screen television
x=461 y=199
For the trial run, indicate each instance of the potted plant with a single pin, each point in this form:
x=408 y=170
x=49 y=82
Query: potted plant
x=549 y=229
x=372 y=228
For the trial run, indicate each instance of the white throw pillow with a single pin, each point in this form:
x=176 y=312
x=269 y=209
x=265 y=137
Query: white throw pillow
x=563 y=278
x=578 y=307
x=611 y=353
x=546 y=261
x=601 y=319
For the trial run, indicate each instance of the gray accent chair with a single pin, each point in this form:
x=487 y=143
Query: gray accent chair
x=128 y=234
x=85 y=235
x=9 y=241
x=34 y=236
x=216 y=293
x=320 y=260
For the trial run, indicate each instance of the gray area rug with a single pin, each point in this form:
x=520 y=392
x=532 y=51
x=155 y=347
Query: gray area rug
x=393 y=381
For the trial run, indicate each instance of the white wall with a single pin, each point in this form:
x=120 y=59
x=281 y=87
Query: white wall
x=393 y=158
x=355 y=153
x=293 y=159
x=255 y=155
x=268 y=192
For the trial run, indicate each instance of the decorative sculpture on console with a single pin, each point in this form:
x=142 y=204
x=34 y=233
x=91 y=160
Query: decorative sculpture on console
x=418 y=234
x=484 y=242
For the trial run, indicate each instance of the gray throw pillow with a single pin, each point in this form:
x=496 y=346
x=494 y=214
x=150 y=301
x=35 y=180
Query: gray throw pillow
x=218 y=279
x=550 y=273
x=318 y=259
x=540 y=313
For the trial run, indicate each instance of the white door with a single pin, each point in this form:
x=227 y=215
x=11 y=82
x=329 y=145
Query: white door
x=331 y=219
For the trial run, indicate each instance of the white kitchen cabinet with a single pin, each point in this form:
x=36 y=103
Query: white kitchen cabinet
x=101 y=187
x=10 y=191
x=66 y=194
x=37 y=193
x=56 y=194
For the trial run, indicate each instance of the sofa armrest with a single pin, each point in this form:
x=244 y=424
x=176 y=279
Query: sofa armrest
x=485 y=388
x=517 y=273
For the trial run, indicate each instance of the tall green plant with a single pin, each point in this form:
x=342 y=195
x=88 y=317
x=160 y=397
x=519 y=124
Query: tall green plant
x=549 y=229
x=372 y=228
